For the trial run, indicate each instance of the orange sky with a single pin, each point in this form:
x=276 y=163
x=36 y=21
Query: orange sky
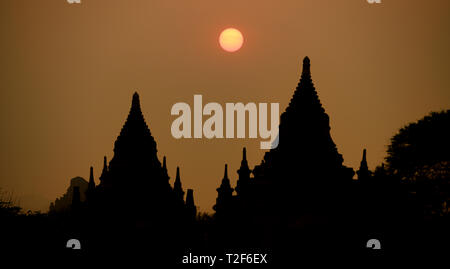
x=68 y=72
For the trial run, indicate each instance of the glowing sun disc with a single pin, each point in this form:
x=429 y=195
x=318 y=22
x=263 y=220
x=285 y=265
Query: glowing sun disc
x=231 y=39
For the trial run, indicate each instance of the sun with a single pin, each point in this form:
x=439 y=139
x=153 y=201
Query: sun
x=231 y=39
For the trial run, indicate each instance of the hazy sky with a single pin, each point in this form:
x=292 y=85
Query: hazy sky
x=68 y=71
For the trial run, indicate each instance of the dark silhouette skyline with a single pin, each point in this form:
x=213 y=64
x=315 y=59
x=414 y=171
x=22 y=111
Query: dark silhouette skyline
x=66 y=79
x=298 y=199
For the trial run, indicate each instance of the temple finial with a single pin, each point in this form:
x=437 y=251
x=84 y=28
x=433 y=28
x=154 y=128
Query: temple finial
x=363 y=172
x=225 y=193
x=91 y=174
x=177 y=188
x=306 y=67
x=244 y=174
x=91 y=183
x=190 y=198
x=177 y=178
x=135 y=103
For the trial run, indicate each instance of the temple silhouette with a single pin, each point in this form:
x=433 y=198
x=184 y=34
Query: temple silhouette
x=135 y=175
x=65 y=202
x=299 y=190
x=305 y=161
x=296 y=188
x=134 y=202
x=300 y=198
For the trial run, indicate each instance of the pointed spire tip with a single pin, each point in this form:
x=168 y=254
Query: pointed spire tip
x=226 y=171
x=135 y=103
x=177 y=178
x=306 y=66
x=91 y=173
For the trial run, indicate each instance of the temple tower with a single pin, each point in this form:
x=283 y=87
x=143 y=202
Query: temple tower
x=177 y=188
x=225 y=195
x=244 y=175
x=363 y=172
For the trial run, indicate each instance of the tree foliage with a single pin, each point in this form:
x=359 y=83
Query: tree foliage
x=421 y=150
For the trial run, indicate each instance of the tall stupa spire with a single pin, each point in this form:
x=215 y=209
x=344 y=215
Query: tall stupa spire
x=225 y=175
x=177 y=189
x=91 y=184
x=225 y=193
x=364 y=160
x=135 y=123
x=244 y=174
x=135 y=150
x=305 y=145
x=135 y=103
x=305 y=128
x=136 y=175
x=306 y=72
x=363 y=172
x=225 y=185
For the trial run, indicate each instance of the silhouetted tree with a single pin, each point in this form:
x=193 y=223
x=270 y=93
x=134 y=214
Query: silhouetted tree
x=421 y=149
x=7 y=206
x=419 y=156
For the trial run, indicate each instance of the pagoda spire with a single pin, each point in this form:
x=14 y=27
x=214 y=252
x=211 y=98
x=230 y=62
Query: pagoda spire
x=136 y=173
x=91 y=184
x=225 y=186
x=363 y=172
x=305 y=132
x=306 y=72
x=135 y=103
x=177 y=189
x=244 y=174
x=225 y=194
x=364 y=160
x=225 y=176
x=135 y=139
x=190 y=198
x=306 y=158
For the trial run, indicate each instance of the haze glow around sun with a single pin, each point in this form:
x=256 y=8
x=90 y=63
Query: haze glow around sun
x=231 y=39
